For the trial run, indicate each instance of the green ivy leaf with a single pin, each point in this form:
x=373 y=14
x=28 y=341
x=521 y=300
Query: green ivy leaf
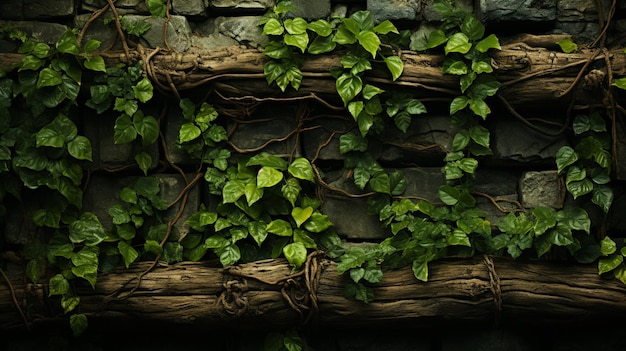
x=80 y=148
x=147 y=127
x=321 y=45
x=295 y=253
x=460 y=140
x=456 y=67
x=143 y=90
x=95 y=63
x=567 y=45
x=620 y=83
x=279 y=227
x=355 y=108
x=158 y=8
x=87 y=229
x=607 y=246
x=295 y=25
x=69 y=303
x=321 y=27
x=565 y=157
x=301 y=215
x=124 y=130
x=473 y=28
x=449 y=194
x=580 y=188
x=277 y=51
x=545 y=219
x=436 y=38
x=458 y=42
x=490 y=42
x=301 y=41
x=290 y=190
x=302 y=169
x=575 y=218
x=352 y=142
x=458 y=104
x=301 y=236
x=48 y=78
x=68 y=44
x=258 y=231
x=268 y=177
x=610 y=263
x=144 y=161
x=395 y=66
x=420 y=270
x=128 y=253
x=58 y=285
x=233 y=190
x=603 y=197
x=230 y=255
x=273 y=27
x=253 y=193
x=188 y=132
x=348 y=86
x=317 y=223
x=479 y=107
x=78 y=324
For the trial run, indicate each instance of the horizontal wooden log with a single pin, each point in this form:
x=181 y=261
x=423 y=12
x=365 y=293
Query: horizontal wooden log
x=267 y=294
x=527 y=73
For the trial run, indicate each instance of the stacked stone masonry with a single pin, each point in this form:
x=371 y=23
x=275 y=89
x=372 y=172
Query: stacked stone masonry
x=521 y=170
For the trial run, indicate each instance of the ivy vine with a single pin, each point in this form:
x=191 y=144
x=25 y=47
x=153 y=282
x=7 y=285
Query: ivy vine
x=266 y=206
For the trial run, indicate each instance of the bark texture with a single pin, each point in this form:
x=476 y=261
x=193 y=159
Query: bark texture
x=269 y=294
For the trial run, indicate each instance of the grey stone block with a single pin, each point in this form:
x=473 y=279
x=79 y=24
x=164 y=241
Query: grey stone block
x=241 y=5
x=394 y=9
x=12 y=9
x=511 y=140
x=44 y=32
x=580 y=10
x=315 y=139
x=229 y=31
x=541 y=188
x=106 y=34
x=189 y=7
x=178 y=32
x=269 y=131
x=42 y=9
x=311 y=9
x=123 y=7
x=425 y=141
x=349 y=215
x=516 y=10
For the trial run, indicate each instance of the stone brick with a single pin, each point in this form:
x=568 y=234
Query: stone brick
x=44 y=32
x=229 y=31
x=512 y=141
x=425 y=141
x=176 y=155
x=393 y=9
x=42 y=9
x=267 y=130
x=541 y=188
x=106 y=34
x=499 y=186
x=319 y=130
x=349 y=214
x=189 y=7
x=178 y=32
x=516 y=10
x=311 y=9
x=123 y=7
x=580 y=10
x=12 y=9
x=241 y=5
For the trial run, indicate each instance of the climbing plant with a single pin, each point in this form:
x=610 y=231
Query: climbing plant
x=263 y=205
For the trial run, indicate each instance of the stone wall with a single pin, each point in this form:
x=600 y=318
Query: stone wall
x=522 y=168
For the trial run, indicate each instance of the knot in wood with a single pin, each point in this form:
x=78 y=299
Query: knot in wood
x=594 y=80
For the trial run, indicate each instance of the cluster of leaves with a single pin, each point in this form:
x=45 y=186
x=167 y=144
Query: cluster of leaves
x=587 y=166
x=122 y=89
x=40 y=148
x=263 y=202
